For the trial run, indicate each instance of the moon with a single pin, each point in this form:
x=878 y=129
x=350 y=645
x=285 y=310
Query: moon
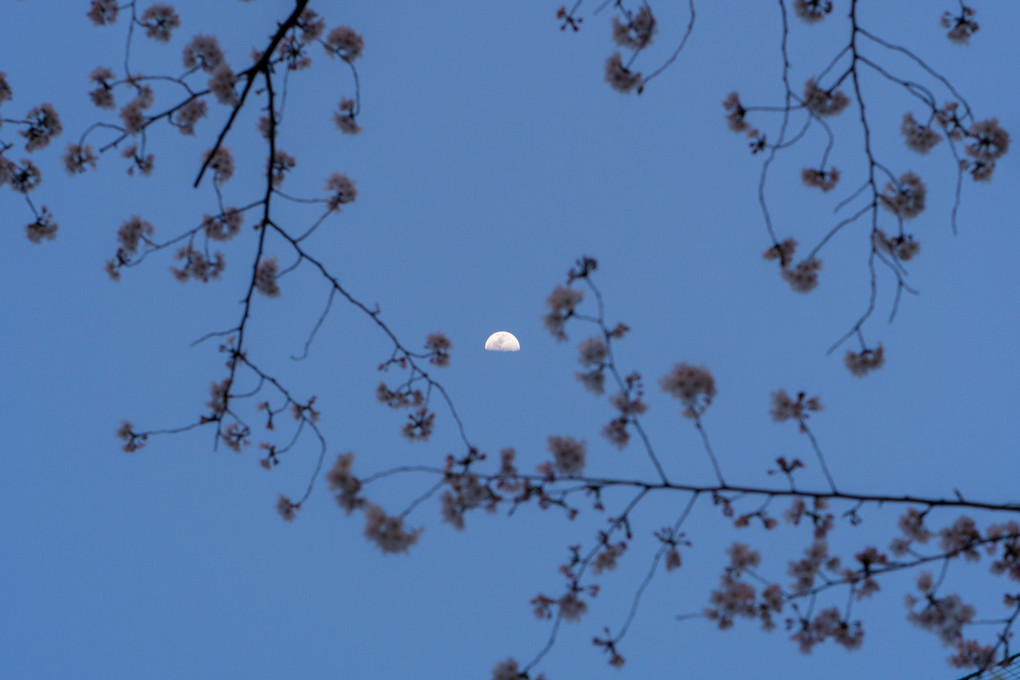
x=502 y=341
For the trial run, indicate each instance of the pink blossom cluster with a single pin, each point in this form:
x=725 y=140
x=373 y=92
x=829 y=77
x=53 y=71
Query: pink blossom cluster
x=507 y=469
x=592 y=355
x=920 y=138
x=159 y=21
x=694 y=386
x=972 y=654
x=805 y=570
x=608 y=555
x=738 y=599
x=568 y=454
x=77 y=158
x=203 y=52
x=102 y=96
x=821 y=519
x=219 y=398
x=305 y=412
x=221 y=83
x=961 y=537
x=235 y=436
x=292 y=51
x=785 y=408
x=281 y=164
x=620 y=77
x=783 y=252
x=735 y=113
x=628 y=404
x=343 y=482
x=143 y=163
x=803 y=277
x=102 y=12
x=287 y=508
x=221 y=162
x=266 y=277
x=828 y=623
x=903 y=247
x=561 y=303
x=224 y=226
x=420 y=424
x=345 y=117
x=571 y=606
x=311 y=25
x=197 y=265
x=132 y=440
x=341 y=190
x=821 y=179
x=1007 y=535
x=132 y=115
x=592 y=352
x=672 y=540
x=635 y=33
x=131 y=234
x=823 y=102
x=906 y=197
x=43 y=124
x=387 y=532
x=43 y=227
x=945 y=616
x=742 y=558
x=343 y=42
x=594 y=380
x=863 y=582
x=466 y=493
x=864 y=362
x=736 y=120
x=438 y=346
x=989 y=142
x=403 y=397
x=961 y=26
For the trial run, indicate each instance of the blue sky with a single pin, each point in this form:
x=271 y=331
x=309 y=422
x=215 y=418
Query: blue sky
x=493 y=154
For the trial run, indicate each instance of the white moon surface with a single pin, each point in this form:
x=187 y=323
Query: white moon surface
x=502 y=341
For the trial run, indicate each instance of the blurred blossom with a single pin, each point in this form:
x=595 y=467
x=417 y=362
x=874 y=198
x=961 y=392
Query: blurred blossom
x=823 y=102
x=160 y=20
x=619 y=77
x=694 y=386
x=343 y=42
x=203 y=52
x=864 y=362
x=103 y=12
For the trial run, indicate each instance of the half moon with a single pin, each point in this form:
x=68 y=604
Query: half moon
x=502 y=341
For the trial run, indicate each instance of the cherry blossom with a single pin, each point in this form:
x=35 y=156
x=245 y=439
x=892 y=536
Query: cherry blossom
x=619 y=77
x=388 y=533
x=568 y=454
x=636 y=33
x=160 y=20
x=694 y=386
